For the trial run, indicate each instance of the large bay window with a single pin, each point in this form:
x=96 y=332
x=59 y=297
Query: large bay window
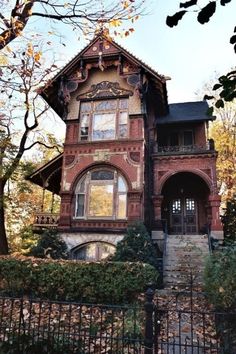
x=104 y=120
x=101 y=193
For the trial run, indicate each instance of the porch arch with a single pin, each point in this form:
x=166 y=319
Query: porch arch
x=197 y=172
x=185 y=203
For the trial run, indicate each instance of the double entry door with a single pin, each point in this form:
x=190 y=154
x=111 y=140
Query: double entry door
x=183 y=215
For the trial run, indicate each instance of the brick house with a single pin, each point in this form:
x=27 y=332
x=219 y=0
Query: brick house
x=128 y=154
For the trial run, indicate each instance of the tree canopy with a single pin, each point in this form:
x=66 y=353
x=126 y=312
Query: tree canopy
x=83 y=16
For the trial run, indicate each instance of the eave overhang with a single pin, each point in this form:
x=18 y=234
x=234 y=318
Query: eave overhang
x=48 y=176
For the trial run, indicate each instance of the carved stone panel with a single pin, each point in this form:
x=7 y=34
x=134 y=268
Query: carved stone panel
x=105 y=89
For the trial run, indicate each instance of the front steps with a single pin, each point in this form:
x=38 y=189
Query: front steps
x=185 y=255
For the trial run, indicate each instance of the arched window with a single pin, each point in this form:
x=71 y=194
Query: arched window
x=93 y=251
x=101 y=193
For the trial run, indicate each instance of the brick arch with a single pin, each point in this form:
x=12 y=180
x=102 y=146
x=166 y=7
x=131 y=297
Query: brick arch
x=101 y=165
x=199 y=173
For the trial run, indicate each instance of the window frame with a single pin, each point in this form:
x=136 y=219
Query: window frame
x=88 y=182
x=98 y=246
x=118 y=112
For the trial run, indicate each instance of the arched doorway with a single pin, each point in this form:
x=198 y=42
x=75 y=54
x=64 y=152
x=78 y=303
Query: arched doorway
x=185 y=204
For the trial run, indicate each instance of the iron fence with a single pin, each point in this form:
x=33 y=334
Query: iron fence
x=168 y=323
x=31 y=326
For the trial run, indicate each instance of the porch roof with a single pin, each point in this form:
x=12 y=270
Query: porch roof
x=48 y=176
x=186 y=112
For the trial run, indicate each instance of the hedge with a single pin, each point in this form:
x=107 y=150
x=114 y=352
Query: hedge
x=220 y=279
x=99 y=282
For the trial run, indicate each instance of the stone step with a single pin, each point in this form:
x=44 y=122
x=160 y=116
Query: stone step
x=183 y=253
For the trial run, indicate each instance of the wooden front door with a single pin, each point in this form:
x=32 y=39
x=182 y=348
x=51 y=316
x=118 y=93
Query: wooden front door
x=183 y=216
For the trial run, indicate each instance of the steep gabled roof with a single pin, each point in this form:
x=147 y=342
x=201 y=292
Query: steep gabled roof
x=90 y=54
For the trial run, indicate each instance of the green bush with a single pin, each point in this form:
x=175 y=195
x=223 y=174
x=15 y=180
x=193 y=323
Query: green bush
x=136 y=246
x=105 y=282
x=50 y=245
x=229 y=221
x=220 y=279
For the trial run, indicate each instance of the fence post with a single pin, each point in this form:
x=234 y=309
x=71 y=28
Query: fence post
x=149 y=321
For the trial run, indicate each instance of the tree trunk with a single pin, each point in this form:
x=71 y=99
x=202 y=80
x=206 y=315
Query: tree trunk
x=3 y=235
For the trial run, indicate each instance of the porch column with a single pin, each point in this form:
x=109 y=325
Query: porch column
x=157 y=230
x=134 y=205
x=65 y=214
x=216 y=225
x=157 y=203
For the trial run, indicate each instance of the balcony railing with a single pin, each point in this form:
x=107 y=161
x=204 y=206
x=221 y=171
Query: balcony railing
x=46 y=220
x=183 y=149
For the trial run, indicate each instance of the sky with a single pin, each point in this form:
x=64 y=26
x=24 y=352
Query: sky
x=189 y=53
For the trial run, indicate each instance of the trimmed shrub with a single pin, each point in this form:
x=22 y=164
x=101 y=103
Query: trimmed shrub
x=136 y=246
x=220 y=279
x=104 y=282
x=50 y=245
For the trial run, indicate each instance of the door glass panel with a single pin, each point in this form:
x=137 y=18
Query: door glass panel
x=104 y=126
x=101 y=200
x=190 y=205
x=176 y=206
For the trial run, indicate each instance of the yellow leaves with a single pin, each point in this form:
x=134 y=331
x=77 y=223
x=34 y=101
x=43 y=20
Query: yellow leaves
x=37 y=56
x=115 y=22
x=31 y=53
x=126 y=4
x=30 y=50
x=221 y=290
x=3 y=60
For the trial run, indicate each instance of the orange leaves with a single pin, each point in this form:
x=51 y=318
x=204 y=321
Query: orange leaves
x=37 y=56
x=31 y=53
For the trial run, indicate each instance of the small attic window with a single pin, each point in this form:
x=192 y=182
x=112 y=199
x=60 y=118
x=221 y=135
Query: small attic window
x=104 y=120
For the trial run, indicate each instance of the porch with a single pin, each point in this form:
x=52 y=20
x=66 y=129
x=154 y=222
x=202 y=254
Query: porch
x=48 y=220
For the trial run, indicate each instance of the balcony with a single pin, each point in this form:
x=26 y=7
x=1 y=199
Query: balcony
x=46 y=220
x=184 y=149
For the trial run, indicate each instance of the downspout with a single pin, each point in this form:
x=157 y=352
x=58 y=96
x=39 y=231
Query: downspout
x=147 y=152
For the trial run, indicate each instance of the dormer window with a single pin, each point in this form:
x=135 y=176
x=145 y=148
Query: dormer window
x=104 y=119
